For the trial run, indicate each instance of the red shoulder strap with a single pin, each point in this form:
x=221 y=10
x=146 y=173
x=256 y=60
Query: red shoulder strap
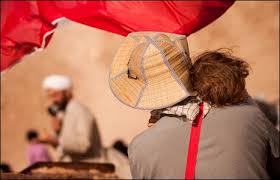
x=193 y=145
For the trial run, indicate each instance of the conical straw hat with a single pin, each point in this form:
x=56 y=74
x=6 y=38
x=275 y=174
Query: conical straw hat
x=150 y=70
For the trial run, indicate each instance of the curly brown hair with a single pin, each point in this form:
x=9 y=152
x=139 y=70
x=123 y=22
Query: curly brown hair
x=219 y=78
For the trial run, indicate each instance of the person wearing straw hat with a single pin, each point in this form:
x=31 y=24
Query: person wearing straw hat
x=153 y=71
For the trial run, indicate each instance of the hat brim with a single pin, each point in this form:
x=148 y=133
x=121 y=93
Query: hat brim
x=155 y=93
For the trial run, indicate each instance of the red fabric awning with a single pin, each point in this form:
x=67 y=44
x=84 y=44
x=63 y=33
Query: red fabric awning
x=26 y=24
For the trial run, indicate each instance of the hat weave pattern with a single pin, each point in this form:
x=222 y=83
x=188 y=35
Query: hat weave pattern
x=150 y=70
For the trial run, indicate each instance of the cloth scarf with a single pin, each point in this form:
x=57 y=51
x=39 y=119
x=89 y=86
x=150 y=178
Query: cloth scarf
x=186 y=110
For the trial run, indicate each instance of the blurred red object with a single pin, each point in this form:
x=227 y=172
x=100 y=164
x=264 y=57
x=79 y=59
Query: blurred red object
x=29 y=24
x=23 y=27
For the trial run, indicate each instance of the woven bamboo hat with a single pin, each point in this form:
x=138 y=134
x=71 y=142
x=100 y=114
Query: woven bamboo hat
x=150 y=70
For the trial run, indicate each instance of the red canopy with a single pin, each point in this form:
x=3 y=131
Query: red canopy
x=26 y=24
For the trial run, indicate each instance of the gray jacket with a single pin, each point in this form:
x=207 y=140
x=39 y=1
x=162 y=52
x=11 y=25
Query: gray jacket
x=234 y=143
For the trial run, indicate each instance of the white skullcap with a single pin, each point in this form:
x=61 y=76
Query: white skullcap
x=57 y=82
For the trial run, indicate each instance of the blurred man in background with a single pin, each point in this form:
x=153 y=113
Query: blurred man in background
x=77 y=135
x=36 y=152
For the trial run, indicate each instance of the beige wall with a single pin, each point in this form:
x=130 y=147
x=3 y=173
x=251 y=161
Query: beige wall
x=84 y=53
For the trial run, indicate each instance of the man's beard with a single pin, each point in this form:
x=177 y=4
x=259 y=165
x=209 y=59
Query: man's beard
x=62 y=104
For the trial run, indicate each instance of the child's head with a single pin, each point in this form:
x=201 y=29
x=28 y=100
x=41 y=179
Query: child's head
x=31 y=135
x=219 y=78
